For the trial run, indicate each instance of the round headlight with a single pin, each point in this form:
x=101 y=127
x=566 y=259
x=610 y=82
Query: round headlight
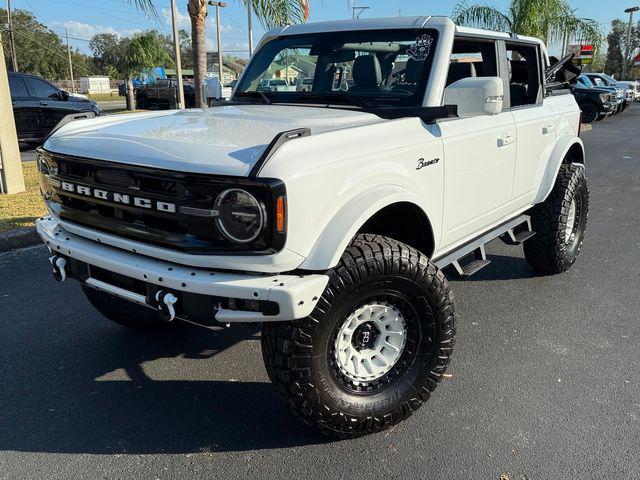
x=239 y=216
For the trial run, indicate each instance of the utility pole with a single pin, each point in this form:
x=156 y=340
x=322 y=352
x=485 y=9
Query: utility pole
x=218 y=6
x=176 y=46
x=66 y=34
x=11 y=179
x=625 y=65
x=249 y=13
x=14 y=58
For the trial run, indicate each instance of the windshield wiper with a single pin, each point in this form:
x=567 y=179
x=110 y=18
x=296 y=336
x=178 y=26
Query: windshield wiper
x=255 y=94
x=264 y=97
x=337 y=100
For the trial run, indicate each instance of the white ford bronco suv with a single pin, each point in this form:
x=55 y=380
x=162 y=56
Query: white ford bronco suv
x=327 y=213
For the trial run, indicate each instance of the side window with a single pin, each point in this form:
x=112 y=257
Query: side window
x=472 y=58
x=17 y=87
x=524 y=74
x=41 y=89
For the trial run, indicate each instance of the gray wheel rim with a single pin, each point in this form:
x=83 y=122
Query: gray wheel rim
x=571 y=221
x=365 y=365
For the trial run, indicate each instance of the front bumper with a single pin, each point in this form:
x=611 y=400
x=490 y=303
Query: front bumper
x=295 y=295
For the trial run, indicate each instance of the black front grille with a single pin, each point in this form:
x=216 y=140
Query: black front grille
x=166 y=228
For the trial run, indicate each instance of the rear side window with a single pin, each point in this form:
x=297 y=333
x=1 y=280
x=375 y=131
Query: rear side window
x=42 y=89
x=472 y=58
x=524 y=74
x=17 y=87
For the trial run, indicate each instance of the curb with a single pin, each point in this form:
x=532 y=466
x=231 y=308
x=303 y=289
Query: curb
x=19 y=238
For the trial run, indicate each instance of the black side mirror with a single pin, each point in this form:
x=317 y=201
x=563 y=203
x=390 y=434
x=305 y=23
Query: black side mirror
x=65 y=95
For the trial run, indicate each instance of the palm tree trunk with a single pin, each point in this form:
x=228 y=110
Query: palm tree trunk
x=198 y=14
x=132 y=95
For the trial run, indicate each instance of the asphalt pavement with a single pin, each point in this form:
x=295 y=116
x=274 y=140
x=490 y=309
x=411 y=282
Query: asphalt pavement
x=545 y=379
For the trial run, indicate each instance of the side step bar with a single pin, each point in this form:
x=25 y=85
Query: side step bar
x=513 y=232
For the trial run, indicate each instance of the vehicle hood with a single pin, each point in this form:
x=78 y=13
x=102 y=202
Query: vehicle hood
x=226 y=140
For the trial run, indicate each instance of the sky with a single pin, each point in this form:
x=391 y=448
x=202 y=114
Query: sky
x=85 y=18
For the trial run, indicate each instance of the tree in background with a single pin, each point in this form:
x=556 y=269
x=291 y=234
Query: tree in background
x=143 y=52
x=615 y=47
x=548 y=20
x=39 y=50
x=270 y=13
x=108 y=51
x=186 y=49
x=124 y=57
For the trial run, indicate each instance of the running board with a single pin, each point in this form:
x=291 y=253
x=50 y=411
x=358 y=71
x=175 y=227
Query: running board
x=475 y=248
x=477 y=262
x=519 y=234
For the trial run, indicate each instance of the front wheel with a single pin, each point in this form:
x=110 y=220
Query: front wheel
x=589 y=112
x=560 y=223
x=375 y=346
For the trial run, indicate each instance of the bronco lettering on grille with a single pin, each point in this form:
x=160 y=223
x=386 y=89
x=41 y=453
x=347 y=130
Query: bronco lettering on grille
x=121 y=198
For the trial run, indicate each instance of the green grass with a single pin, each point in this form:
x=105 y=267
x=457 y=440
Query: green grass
x=20 y=210
x=105 y=96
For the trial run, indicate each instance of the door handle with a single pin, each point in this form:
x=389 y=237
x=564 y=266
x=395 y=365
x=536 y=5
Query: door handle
x=547 y=129
x=507 y=140
x=44 y=104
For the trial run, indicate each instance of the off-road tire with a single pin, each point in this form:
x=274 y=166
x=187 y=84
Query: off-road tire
x=123 y=312
x=298 y=357
x=548 y=251
x=589 y=112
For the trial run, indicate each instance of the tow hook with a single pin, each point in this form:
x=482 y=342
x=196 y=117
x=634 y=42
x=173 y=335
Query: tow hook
x=166 y=300
x=58 y=265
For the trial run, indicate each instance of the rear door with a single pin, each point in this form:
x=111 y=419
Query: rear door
x=480 y=153
x=533 y=117
x=25 y=109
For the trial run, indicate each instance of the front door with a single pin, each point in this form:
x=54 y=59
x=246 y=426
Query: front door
x=479 y=159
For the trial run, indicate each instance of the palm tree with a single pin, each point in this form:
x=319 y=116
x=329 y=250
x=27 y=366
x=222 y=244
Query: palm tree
x=269 y=12
x=549 y=20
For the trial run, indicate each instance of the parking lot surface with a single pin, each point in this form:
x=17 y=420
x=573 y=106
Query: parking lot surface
x=544 y=381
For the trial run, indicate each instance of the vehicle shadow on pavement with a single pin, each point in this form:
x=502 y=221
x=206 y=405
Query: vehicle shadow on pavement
x=92 y=391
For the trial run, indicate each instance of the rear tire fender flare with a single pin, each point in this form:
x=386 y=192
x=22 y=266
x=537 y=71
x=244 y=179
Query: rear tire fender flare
x=558 y=155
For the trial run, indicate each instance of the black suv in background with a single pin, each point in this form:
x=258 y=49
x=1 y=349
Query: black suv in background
x=38 y=106
x=595 y=103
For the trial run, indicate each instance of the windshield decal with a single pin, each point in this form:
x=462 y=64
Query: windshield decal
x=421 y=49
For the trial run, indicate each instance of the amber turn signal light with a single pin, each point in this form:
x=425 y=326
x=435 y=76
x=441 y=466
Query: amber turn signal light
x=280 y=214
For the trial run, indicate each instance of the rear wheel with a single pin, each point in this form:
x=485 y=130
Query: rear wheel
x=123 y=312
x=375 y=346
x=560 y=223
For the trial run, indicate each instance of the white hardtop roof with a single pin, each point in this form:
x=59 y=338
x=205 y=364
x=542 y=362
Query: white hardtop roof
x=388 y=23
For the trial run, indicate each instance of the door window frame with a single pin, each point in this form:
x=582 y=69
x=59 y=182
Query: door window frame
x=27 y=81
x=503 y=67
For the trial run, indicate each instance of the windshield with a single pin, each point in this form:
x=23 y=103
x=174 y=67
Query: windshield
x=585 y=81
x=599 y=81
x=367 y=68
